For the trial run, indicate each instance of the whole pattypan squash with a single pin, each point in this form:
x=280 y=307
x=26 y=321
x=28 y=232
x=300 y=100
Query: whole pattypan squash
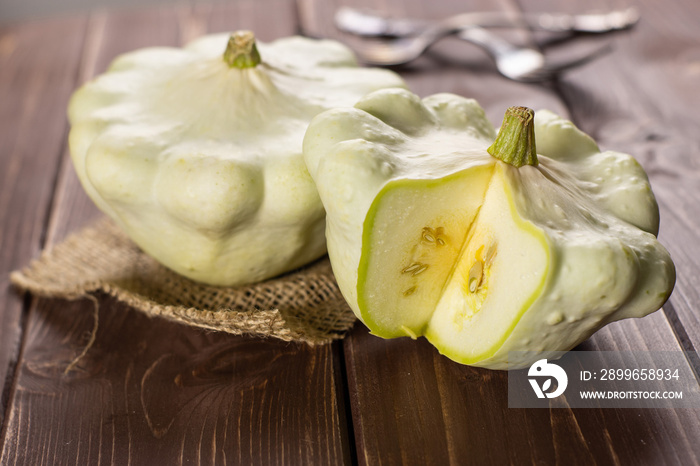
x=483 y=247
x=196 y=152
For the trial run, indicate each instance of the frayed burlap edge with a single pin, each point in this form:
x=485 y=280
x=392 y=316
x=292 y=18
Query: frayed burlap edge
x=304 y=305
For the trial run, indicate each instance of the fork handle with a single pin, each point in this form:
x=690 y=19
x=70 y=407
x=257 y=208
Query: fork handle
x=372 y=25
x=552 y=22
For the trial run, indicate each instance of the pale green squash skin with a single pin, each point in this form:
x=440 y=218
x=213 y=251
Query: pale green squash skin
x=201 y=163
x=592 y=214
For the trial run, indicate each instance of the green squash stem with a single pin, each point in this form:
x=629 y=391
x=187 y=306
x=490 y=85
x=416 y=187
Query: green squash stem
x=515 y=143
x=241 y=51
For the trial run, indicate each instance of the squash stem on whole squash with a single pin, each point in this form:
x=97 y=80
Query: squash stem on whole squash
x=241 y=51
x=515 y=143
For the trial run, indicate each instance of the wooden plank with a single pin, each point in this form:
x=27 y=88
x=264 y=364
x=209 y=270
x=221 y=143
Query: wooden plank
x=644 y=104
x=411 y=405
x=38 y=65
x=430 y=410
x=155 y=392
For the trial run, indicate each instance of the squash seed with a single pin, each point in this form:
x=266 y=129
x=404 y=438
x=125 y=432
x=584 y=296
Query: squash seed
x=476 y=273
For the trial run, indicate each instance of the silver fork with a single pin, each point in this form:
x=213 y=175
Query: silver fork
x=517 y=62
x=520 y=63
x=368 y=24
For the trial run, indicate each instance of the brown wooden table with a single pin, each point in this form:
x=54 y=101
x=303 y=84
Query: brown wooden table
x=153 y=392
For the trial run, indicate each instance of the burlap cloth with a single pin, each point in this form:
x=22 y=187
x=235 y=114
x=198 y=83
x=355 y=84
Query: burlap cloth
x=304 y=305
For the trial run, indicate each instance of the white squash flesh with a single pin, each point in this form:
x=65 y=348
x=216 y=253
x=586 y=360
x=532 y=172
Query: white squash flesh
x=415 y=228
x=501 y=270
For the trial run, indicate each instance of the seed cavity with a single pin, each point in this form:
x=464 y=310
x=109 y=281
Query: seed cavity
x=410 y=291
x=476 y=274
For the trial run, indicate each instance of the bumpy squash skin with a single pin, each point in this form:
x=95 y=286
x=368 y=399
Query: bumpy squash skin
x=592 y=213
x=201 y=164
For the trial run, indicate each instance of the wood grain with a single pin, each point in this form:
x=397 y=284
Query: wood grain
x=639 y=99
x=412 y=406
x=155 y=392
x=38 y=65
x=151 y=391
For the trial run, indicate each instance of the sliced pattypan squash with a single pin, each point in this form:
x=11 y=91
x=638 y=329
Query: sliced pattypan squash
x=526 y=241
x=196 y=152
